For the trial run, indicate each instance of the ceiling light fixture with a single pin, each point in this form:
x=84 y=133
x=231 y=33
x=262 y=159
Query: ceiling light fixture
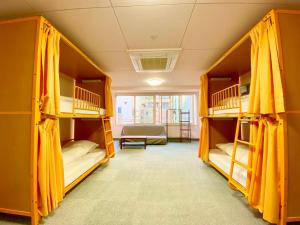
x=154 y=81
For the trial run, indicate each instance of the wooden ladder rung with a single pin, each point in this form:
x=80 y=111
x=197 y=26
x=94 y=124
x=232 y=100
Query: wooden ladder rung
x=107 y=131
x=245 y=142
x=109 y=143
x=249 y=120
x=238 y=186
x=243 y=165
x=111 y=155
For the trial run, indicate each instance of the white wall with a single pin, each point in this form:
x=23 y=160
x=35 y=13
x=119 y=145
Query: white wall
x=173 y=129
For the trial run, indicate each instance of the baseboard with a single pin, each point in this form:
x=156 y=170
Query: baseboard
x=172 y=139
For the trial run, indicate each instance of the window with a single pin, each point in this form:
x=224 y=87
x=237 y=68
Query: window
x=176 y=102
x=125 y=110
x=152 y=109
x=144 y=109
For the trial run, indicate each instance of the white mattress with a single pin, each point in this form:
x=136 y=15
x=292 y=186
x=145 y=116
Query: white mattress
x=244 y=104
x=223 y=161
x=66 y=106
x=76 y=168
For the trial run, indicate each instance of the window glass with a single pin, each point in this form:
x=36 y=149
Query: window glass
x=165 y=104
x=153 y=109
x=125 y=109
x=144 y=109
x=186 y=103
x=168 y=104
x=158 y=111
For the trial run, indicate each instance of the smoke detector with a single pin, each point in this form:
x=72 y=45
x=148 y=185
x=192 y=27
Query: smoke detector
x=154 y=60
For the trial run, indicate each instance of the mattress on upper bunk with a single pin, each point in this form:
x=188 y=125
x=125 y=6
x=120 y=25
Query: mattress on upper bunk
x=79 y=166
x=244 y=105
x=66 y=106
x=222 y=159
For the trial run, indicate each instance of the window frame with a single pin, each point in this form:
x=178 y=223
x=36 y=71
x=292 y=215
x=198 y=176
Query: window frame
x=194 y=105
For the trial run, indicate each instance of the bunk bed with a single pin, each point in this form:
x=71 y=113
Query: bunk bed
x=229 y=101
x=54 y=117
x=250 y=117
x=81 y=104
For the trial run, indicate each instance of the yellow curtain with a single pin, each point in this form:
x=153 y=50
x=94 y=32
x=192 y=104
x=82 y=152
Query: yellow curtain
x=264 y=189
x=108 y=98
x=204 y=139
x=50 y=165
x=266 y=97
x=203 y=113
x=266 y=90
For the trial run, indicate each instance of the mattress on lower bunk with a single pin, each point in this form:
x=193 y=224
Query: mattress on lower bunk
x=244 y=105
x=223 y=161
x=79 y=166
x=66 y=106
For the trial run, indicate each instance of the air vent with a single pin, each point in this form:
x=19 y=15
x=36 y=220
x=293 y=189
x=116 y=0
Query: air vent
x=154 y=60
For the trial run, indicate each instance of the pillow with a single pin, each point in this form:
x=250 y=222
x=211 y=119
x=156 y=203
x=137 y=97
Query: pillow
x=242 y=151
x=76 y=149
x=225 y=147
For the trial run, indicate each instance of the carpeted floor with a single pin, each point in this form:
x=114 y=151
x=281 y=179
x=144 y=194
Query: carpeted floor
x=163 y=185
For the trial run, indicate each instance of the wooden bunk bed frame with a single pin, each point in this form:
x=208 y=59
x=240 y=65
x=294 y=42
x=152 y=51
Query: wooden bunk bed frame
x=236 y=62
x=84 y=100
x=228 y=98
x=20 y=114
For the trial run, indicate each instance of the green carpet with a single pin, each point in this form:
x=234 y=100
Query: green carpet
x=162 y=185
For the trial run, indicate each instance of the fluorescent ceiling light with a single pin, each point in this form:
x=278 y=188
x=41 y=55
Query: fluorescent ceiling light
x=154 y=81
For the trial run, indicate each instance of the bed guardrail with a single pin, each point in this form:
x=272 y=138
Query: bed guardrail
x=85 y=100
x=228 y=98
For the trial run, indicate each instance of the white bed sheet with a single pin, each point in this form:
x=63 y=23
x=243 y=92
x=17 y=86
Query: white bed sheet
x=66 y=106
x=76 y=168
x=244 y=104
x=223 y=161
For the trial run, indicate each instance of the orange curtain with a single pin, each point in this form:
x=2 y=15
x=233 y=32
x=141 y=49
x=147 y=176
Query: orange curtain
x=108 y=98
x=204 y=139
x=203 y=113
x=264 y=189
x=266 y=97
x=50 y=165
x=266 y=90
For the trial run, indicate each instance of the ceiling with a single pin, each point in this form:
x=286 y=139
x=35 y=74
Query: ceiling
x=106 y=29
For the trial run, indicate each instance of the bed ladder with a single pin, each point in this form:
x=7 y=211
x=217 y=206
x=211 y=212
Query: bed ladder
x=108 y=137
x=231 y=181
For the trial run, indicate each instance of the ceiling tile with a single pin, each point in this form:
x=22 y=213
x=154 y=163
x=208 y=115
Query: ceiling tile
x=14 y=8
x=112 y=61
x=138 y=80
x=184 y=78
x=91 y=29
x=197 y=59
x=125 y=79
x=217 y=26
x=149 y=2
x=46 y=5
x=154 y=26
